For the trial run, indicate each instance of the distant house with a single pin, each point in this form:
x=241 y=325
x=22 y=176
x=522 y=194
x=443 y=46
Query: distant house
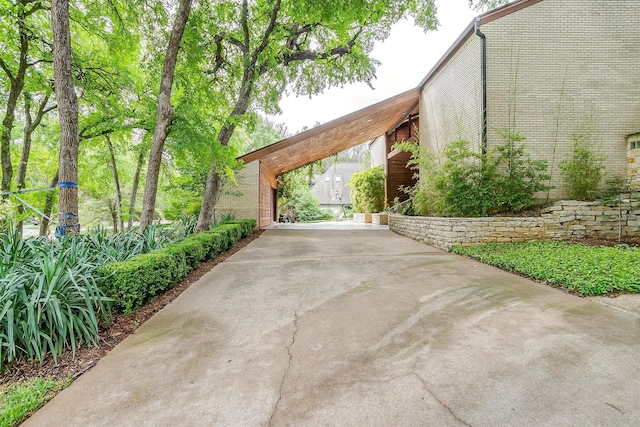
x=330 y=188
x=553 y=70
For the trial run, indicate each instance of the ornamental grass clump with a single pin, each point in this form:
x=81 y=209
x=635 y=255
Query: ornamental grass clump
x=49 y=297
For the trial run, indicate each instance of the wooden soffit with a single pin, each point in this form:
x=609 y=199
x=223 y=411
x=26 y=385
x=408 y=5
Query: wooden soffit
x=337 y=135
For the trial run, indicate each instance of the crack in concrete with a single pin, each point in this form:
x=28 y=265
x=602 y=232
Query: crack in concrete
x=293 y=340
x=615 y=407
x=444 y=405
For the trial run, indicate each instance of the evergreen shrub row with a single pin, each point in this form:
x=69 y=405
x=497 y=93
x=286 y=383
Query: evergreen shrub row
x=133 y=282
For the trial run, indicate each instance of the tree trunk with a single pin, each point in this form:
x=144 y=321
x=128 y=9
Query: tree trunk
x=68 y=113
x=116 y=181
x=211 y=195
x=164 y=116
x=134 y=189
x=212 y=185
x=15 y=88
x=5 y=145
x=29 y=126
x=48 y=206
x=113 y=210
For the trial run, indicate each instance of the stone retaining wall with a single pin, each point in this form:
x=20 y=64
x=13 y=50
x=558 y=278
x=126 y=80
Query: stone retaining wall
x=563 y=220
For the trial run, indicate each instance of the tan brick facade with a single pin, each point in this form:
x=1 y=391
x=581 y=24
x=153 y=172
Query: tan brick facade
x=451 y=102
x=554 y=69
x=242 y=201
x=573 y=67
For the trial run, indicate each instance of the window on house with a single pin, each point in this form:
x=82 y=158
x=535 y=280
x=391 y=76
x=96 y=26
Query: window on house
x=338 y=178
x=327 y=178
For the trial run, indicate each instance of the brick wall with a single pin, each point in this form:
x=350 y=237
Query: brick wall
x=242 y=201
x=451 y=102
x=561 y=67
x=563 y=220
x=555 y=69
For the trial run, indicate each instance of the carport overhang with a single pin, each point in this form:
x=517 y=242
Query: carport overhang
x=325 y=140
x=337 y=135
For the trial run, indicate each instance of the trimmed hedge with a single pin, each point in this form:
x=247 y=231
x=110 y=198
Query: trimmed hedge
x=246 y=226
x=133 y=282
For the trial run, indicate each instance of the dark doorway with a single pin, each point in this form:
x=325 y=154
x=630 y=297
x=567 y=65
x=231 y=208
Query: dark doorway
x=274 y=204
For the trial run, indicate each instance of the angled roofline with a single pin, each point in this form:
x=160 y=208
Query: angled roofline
x=363 y=112
x=505 y=10
x=485 y=18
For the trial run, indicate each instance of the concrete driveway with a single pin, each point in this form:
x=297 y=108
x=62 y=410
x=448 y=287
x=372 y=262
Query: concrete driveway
x=363 y=328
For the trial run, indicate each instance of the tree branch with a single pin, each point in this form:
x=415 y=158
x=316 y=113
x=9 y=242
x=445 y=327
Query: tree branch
x=84 y=133
x=234 y=41
x=46 y=110
x=244 y=18
x=296 y=31
x=311 y=55
x=268 y=31
x=31 y=64
x=36 y=7
x=6 y=70
x=42 y=110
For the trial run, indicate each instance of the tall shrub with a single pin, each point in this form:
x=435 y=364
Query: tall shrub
x=307 y=207
x=583 y=172
x=367 y=190
x=519 y=177
x=466 y=183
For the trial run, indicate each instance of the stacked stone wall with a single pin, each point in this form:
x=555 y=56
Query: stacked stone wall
x=566 y=219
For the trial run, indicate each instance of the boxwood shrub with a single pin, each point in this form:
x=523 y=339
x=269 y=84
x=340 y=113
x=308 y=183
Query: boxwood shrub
x=246 y=226
x=133 y=282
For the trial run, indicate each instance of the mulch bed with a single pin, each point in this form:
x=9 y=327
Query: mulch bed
x=121 y=327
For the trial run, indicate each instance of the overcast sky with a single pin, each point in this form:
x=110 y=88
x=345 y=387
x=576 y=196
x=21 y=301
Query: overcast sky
x=406 y=55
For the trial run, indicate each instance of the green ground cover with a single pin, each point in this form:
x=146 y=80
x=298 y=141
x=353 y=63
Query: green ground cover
x=588 y=270
x=18 y=401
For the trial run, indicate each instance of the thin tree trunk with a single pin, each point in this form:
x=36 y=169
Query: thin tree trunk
x=48 y=206
x=134 y=189
x=30 y=125
x=68 y=113
x=116 y=181
x=165 y=114
x=113 y=210
x=211 y=195
x=15 y=88
x=212 y=185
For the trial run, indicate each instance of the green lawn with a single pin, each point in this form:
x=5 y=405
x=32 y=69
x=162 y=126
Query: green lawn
x=588 y=270
x=19 y=400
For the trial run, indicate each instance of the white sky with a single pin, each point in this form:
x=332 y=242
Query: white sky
x=406 y=55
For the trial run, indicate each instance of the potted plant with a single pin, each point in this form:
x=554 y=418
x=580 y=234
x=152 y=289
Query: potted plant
x=367 y=193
